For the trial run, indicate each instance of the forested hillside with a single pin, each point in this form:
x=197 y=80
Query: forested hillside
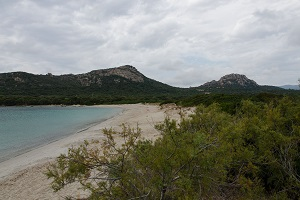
x=118 y=85
x=123 y=84
x=124 y=80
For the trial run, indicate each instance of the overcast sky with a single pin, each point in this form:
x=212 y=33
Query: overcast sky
x=181 y=43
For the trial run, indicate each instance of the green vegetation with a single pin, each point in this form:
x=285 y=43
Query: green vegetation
x=230 y=103
x=243 y=90
x=21 y=88
x=116 y=86
x=17 y=100
x=250 y=154
x=44 y=85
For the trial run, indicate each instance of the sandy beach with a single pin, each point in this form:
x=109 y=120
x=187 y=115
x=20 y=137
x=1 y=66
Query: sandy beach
x=22 y=177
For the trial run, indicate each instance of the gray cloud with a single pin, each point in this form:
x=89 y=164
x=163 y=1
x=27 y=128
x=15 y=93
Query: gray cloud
x=182 y=43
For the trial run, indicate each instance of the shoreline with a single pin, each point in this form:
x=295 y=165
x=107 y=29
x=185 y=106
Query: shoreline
x=22 y=177
x=83 y=128
x=30 y=151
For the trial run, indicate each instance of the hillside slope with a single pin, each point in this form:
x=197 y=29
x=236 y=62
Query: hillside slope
x=236 y=83
x=124 y=80
x=117 y=85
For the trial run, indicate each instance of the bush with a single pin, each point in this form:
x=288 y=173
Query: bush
x=253 y=154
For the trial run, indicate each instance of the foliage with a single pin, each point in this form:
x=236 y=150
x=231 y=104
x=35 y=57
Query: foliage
x=236 y=89
x=25 y=84
x=55 y=90
x=253 y=154
x=230 y=103
x=17 y=100
x=20 y=88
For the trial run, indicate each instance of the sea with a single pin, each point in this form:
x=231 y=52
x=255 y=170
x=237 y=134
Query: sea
x=25 y=128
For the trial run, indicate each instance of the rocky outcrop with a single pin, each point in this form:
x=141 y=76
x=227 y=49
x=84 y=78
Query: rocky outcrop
x=95 y=77
x=232 y=80
x=126 y=71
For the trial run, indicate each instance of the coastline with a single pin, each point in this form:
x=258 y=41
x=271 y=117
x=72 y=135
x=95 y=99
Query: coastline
x=47 y=150
x=66 y=133
x=22 y=177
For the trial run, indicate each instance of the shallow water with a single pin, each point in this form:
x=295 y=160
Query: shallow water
x=25 y=128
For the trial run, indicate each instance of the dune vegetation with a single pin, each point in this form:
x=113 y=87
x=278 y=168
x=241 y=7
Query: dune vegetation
x=212 y=154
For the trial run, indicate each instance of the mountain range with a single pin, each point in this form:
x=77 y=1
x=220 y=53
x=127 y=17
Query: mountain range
x=290 y=87
x=119 y=81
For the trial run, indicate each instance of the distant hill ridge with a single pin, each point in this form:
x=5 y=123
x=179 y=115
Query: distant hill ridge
x=290 y=87
x=86 y=79
x=119 y=81
x=124 y=80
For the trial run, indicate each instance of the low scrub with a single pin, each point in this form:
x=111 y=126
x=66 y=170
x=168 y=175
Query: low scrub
x=253 y=154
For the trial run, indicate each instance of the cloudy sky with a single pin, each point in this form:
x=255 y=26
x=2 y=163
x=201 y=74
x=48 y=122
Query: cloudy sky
x=181 y=43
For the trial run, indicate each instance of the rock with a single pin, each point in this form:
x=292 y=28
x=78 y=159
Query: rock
x=232 y=80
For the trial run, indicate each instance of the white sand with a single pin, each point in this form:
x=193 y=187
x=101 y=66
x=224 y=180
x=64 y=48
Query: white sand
x=22 y=177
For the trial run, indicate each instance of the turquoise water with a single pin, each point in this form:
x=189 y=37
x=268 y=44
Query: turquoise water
x=25 y=128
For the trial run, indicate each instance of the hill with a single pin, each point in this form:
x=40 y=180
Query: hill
x=117 y=85
x=291 y=87
x=236 y=83
x=124 y=80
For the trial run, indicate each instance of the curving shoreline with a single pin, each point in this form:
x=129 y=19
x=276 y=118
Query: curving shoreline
x=46 y=128
x=22 y=176
x=50 y=149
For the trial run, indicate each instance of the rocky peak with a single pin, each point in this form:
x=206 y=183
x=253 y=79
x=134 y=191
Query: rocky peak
x=126 y=71
x=236 y=80
x=96 y=76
